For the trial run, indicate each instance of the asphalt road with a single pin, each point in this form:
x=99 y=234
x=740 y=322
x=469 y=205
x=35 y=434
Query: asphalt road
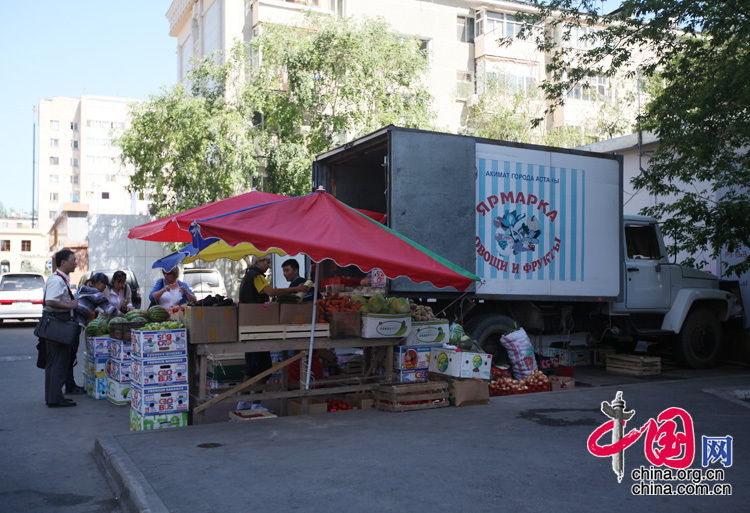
x=519 y=453
x=46 y=461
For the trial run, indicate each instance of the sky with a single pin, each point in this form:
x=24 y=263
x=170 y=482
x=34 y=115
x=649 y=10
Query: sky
x=118 y=48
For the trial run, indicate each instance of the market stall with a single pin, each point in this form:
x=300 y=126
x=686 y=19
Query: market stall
x=322 y=228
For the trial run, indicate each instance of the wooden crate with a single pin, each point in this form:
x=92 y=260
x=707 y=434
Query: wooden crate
x=633 y=364
x=410 y=396
x=281 y=331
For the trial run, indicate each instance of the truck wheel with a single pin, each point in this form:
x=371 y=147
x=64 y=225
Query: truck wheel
x=487 y=330
x=700 y=340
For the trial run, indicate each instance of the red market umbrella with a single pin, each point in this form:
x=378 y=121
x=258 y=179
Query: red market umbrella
x=322 y=227
x=176 y=227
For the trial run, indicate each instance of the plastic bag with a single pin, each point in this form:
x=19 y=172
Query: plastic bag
x=521 y=353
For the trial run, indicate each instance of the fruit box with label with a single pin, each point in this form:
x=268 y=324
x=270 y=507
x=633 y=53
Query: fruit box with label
x=159 y=343
x=160 y=371
x=208 y=324
x=410 y=376
x=460 y=364
x=384 y=325
x=118 y=393
x=96 y=387
x=98 y=346
x=120 y=350
x=151 y=400
x=119 y=370
x=95 y=367
x=428 y=332
x=140 y=422
x=575 y=355
x=412 y=357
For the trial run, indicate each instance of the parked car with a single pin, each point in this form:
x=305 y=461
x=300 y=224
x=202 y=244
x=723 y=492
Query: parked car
x=130 y=279
x=21 y=296
x=204 y=282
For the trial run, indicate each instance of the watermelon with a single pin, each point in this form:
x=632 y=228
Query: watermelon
x=158 y=314
x=135 y=313
x=116 y=319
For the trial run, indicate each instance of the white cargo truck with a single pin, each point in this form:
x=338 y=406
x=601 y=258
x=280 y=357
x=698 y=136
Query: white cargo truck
x=543 y=228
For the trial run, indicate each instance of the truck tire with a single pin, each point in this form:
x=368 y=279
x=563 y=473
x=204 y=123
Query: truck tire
x=487 y=329
x=700 y=339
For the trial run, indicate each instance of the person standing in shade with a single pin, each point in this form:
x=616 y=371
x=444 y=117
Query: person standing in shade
x=119 y=294
x=59 y=303
x=256 y=289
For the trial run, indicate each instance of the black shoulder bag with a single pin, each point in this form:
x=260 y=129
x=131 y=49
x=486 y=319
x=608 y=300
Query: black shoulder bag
x=62 y=331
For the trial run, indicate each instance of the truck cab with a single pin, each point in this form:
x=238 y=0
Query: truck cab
x=663 y=300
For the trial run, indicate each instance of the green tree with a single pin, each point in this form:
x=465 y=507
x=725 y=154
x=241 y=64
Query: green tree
x=192 y=146
x=197 y=144
x=700 y=50
x=3 y=211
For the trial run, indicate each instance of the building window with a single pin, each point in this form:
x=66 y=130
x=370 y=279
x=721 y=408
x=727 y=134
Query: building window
x=76 y=198
x=499 y=25
x=89 y=194
x=54 y=178
x=591 y=89
x=583 y=38
x=4 y=245
x=74 y=144
x=54 y=143
x=54 y=124
x=74 y=179
x=508 y=77
x=464 y=85
x=74 y=162
x=105 y=195
x=54 y=161
x=25 y=245
x=465 y=29
x=51 y=214
x=74 y=126
x=53 y=196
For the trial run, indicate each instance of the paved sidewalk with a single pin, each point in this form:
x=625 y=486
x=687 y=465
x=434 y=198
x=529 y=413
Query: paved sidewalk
x=520 y=453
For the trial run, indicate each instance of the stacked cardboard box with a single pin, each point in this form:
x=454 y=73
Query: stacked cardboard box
x=95 y=366
x=119 y=370
x=159 y=379
x=410 y=363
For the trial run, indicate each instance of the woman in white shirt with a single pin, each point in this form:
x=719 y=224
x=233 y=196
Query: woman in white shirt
x=169 y=291
x=120 y=295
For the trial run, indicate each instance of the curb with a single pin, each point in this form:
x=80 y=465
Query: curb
x=129 y=485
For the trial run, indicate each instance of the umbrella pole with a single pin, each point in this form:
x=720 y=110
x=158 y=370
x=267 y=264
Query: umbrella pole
x=312 y=328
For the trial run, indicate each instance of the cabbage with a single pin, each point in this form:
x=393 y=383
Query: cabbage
x=376 y=304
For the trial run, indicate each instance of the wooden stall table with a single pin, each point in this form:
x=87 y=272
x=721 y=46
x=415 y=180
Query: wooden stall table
x=198 y=365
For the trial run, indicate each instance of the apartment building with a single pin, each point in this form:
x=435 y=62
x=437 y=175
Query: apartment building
x=460 y=36
x=77 y=162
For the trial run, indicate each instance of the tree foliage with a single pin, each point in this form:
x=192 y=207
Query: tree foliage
x=700 y=173
x=312 y=85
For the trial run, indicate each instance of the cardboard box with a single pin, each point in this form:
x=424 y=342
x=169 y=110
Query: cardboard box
x=257 y=315
x=410 y=376
x=118 y=393
x=295 y=314
x=575 y=355
x=96 y=387
x=160 y=371
x=152 y=400
x=119 y=370
x=599 y=356
x=140 y=422
x=361 y=400
x=255 y=414
x=428 y=332
x=468 y=392
x=561 y=383
x=97 y=346
x=314 y=405
x=207 y=324
x=159 y=343
x=96 y=367
x=412 y=357
x=460 y=364
x=384 y=325
x=344 y=324
x=120 y=350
